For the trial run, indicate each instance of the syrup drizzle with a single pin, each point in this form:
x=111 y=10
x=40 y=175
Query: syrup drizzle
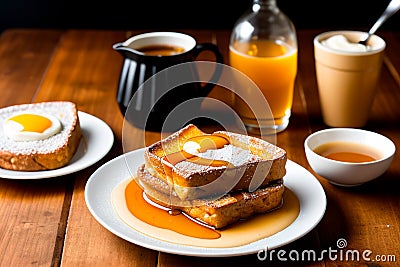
x=191 y=149
x=152 y=214
x=130 y=205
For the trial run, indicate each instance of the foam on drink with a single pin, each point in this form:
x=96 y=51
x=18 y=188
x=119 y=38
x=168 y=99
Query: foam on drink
x=340 y=42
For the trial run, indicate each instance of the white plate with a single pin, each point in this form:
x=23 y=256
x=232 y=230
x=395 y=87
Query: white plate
x=98 y=139
x=102 y=182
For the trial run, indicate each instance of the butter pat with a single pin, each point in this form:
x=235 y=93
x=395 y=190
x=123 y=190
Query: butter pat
x=340 y=42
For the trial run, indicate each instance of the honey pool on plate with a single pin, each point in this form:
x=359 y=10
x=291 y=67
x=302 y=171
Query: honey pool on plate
x=137 y=213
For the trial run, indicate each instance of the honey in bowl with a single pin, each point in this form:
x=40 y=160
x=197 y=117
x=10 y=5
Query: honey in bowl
x=347 y=152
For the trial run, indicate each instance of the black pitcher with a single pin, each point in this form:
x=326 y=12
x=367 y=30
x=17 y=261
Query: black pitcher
x=159 y=73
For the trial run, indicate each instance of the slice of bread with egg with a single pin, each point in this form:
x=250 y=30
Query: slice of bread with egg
x=38 y=136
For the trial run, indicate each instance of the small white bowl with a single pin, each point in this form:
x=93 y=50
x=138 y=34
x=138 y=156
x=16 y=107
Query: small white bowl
x=348 y=173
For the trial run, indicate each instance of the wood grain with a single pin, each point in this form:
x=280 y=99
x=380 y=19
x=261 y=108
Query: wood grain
x=47 y=223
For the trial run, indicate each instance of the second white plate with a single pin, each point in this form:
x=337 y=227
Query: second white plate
x=97 y=140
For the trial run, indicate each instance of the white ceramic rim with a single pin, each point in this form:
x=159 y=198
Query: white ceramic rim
x=324 y=35
x=387 y=153
x=151 y=38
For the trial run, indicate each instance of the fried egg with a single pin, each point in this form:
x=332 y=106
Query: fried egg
x=30 y=126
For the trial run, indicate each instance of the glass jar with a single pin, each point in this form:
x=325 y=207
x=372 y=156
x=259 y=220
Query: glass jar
x=263 y=46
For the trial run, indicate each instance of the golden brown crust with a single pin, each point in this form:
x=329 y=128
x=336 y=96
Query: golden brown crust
x=57 y=155
x=169 y=145
x=269 y=165
x=220 y=212
x=239 y=205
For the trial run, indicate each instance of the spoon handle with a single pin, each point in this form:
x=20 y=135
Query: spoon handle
x=392 y=8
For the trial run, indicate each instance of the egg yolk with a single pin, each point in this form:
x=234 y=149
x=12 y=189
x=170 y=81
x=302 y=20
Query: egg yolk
x=32 y=122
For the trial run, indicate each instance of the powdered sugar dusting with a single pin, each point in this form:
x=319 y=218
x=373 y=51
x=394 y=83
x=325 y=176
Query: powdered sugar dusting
x=267 y=150
x=63 y=110
x=230 y=153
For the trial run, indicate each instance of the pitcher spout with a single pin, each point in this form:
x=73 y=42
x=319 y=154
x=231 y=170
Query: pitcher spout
x=123 y=49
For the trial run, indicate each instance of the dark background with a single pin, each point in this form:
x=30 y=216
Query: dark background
x=209 y=14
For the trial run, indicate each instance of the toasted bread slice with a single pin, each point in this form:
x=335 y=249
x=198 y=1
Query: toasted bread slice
x=51 y=153
x=252 y=163
x=217 y=213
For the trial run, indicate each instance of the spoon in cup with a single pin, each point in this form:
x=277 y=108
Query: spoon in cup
x=391 y=9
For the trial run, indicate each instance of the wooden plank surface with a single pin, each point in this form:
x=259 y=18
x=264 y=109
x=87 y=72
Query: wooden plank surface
x=31 y=210
x=85 y=70
x=47 y=223
x=24 y=58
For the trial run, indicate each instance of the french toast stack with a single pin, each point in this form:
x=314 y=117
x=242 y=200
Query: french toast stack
x=216 y=178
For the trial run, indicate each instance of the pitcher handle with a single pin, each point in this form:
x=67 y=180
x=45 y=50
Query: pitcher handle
x=206 y=89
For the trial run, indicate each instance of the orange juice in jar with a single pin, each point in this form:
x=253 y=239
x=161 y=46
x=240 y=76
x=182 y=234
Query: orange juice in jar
x=272 y=66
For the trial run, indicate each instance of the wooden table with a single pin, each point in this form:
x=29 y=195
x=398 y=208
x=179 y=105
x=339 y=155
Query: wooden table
x=46 y=222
